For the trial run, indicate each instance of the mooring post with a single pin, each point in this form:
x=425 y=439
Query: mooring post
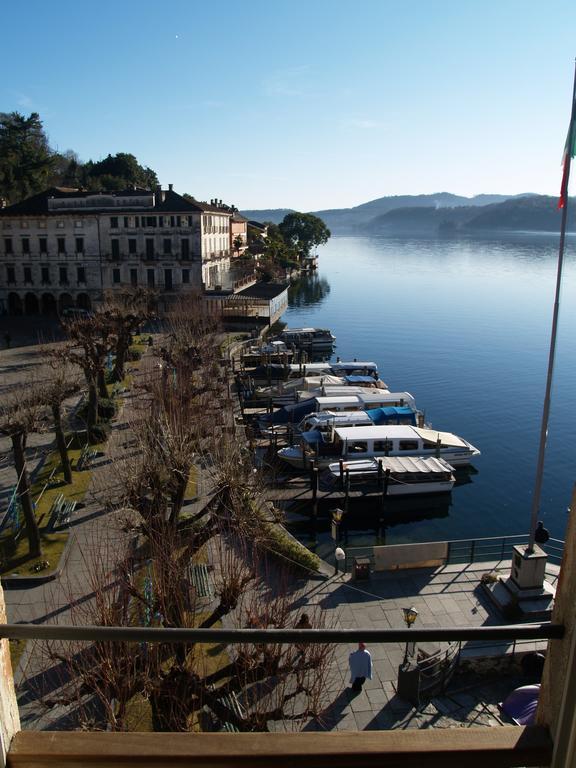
x=379 y=474
x=341 y=465
x=346 y=497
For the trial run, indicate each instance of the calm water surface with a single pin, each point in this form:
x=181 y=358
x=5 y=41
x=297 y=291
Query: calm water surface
x=464 y=325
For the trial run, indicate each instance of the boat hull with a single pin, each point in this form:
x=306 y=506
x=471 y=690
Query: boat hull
x=294 y=456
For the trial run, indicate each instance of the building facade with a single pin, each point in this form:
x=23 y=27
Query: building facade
x=69 y=248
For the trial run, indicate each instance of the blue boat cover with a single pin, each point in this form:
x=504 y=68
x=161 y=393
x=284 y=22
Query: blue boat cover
x=359 y=380
x=293 y=414
x=392 y=415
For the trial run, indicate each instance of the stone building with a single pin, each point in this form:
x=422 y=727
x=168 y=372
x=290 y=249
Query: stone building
x=68 y=248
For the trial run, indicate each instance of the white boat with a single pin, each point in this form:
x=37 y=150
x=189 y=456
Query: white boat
x=308 y=338
x=351 y=443
x=366 y=399
x=397 y=476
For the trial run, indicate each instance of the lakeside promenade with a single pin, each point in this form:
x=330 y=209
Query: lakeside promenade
x=446 y=596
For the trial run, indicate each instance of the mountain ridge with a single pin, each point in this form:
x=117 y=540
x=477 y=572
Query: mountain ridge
x=439 y=212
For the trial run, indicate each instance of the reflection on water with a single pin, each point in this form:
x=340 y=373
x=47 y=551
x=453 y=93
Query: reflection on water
x=464 y=325
x=308 y=290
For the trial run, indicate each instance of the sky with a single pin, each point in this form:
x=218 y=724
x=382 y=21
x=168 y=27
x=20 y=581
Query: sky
x=305 y=104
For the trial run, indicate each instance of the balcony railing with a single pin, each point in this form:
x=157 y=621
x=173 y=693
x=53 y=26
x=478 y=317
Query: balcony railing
x=502 y=747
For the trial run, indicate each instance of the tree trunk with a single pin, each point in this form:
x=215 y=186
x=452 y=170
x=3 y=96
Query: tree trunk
x=92 y=413
x=121 y=350
x=178 y=497
x=23 y=493
x=61 y=442
x=102 y=388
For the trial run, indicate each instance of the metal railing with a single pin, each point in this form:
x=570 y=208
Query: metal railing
x=468 y=551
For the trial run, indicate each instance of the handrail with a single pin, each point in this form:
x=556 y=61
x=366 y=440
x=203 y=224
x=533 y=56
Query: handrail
x=535 y=631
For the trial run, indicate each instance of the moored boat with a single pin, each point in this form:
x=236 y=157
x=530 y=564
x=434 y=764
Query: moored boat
x=308 y=338
x=351 y=443
x=397 y=476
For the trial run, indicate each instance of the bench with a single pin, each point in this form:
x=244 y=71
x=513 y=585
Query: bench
x=201 y=580
x=230 y=701
x=85 y=458
x=61 y=511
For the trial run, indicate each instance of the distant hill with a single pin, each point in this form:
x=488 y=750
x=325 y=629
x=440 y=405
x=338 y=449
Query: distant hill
x=275 y=215
x=439 y=213
x=528 y=213
x=341 y=220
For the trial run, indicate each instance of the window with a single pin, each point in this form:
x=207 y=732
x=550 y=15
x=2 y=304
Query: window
x=25 y=225
x=358 y=446
x=43 y=244
x=60 y=225
x=149 y=248
x=382 y=446
x=27 y=274
x=115 y=275
x=10 y=275
x=150 y=278
x=134 y=277
x=79 y=245
x=167 y=245
x=131 y=245
x=8 y=245
x=161 y=221
x=45 y=275
x=41 y=225
x=175 y=221
x=25 y=245
x=190 y=220
x=114 y=222
x=63 y=275
x=126 y=221
x=81 y=274
x=61 y=245
x=137 y=220
x=185 y=275
x=149 y=221
x=408 y=445
x=168 y=279
x=78 y=224
x=185 y=248
x=115 y=244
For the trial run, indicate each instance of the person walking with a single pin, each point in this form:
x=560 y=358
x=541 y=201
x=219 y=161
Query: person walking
x=360 y=662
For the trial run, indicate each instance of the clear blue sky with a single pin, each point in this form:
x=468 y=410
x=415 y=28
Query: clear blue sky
x=307 y=104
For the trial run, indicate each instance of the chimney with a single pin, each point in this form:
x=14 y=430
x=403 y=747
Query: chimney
x=170 y=187
x=159 y=195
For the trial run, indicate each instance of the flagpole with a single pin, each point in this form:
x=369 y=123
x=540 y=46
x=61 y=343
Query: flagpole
x=546 y=409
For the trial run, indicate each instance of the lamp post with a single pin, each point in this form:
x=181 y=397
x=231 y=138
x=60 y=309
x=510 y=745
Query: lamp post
x=410 y=616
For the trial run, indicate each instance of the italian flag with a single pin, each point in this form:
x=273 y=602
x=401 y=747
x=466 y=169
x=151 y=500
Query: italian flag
x=569 y=153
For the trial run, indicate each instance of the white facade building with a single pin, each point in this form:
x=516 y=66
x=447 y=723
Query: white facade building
x=68 y=248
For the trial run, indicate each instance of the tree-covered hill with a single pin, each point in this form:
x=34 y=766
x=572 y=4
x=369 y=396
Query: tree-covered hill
x=28 y=164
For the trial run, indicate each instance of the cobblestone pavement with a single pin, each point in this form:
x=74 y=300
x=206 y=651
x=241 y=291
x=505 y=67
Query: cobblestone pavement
x=445 y=596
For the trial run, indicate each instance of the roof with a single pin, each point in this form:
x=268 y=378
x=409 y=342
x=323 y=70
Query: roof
x=400 y=464
x=171 y=202
x=264 y=290
x=388 y=431
x=257 y=224
x=238 y=217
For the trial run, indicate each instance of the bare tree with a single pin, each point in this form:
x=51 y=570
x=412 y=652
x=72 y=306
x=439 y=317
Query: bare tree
x=20 y=414
x=126 y=312
x=58 y=385
x=91 y=340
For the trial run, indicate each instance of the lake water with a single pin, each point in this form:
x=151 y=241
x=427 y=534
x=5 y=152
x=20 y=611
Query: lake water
x=464 y=325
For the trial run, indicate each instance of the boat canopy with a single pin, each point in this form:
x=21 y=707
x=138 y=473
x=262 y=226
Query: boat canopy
x=445 y=438
x=392 y=415
x=398 y=464
x=360 y=380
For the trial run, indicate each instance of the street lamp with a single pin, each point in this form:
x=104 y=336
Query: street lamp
x=410 y=616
